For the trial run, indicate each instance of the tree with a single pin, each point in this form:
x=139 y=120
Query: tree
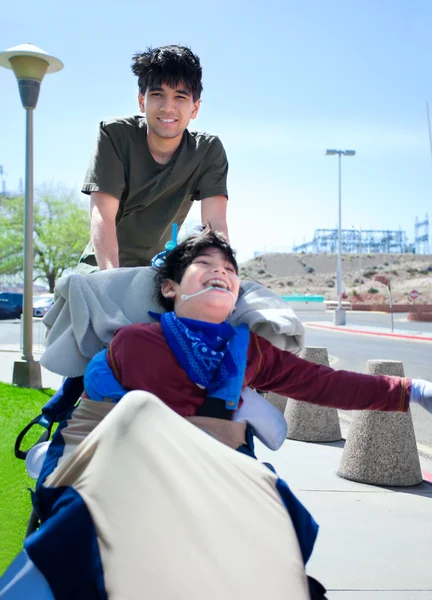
x=11 y=235
x=61 y=231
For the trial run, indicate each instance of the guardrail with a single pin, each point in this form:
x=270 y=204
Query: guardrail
x=333 y=304
x=39 y=333
x=305 y=302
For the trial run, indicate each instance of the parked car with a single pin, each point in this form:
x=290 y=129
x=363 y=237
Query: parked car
x=10 y=305
x=42 y=304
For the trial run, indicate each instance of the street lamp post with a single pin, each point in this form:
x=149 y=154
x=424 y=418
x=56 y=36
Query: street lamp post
x=339 y=314
x=30 y=64
x=360 y=250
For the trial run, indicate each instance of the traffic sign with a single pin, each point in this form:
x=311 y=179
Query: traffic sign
x=414 y=294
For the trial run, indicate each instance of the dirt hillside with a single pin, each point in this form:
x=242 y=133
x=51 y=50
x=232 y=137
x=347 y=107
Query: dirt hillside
x=316 y=274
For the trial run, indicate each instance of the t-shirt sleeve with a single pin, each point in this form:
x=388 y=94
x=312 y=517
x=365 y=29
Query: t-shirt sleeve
x=213 y=181
x=284 y=373
x=105 y=172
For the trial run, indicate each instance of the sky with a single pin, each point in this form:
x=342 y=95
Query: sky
x=283 y=81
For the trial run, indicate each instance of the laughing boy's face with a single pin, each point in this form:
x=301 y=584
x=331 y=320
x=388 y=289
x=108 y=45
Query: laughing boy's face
x=209 y=271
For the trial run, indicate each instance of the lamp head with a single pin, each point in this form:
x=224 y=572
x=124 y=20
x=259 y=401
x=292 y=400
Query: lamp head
x=30 y=64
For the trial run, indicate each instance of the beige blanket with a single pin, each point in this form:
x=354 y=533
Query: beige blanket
x=178 y=514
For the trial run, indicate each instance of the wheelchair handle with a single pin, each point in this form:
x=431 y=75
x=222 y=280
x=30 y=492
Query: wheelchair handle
x=39 y=420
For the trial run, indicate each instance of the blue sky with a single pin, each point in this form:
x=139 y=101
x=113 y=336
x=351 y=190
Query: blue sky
x=283 y=81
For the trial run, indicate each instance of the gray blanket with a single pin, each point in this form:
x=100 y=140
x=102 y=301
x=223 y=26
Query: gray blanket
x=89 y=309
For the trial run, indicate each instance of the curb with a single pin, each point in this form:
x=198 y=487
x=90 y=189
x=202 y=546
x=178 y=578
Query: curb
x=343 y=329
x=16 y=350
x=424 y=450
x=18 y=321
x=363 y=312
x=427 y=477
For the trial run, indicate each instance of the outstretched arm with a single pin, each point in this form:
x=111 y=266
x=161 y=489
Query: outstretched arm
x=286 y=374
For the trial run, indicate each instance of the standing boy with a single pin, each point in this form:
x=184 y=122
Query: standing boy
x=147 y=170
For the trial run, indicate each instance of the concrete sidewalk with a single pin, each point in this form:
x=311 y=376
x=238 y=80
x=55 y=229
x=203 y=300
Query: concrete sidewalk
x=10 y=354
x=374 y=542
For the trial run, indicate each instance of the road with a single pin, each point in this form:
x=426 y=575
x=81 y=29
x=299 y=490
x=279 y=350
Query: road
x=351 y=351
x=347 y=351
x=10 y=333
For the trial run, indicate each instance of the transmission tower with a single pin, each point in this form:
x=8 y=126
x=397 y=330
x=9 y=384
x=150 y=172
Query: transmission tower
x=421 y=236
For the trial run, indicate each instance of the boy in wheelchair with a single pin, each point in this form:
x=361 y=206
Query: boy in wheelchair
x=197 y=365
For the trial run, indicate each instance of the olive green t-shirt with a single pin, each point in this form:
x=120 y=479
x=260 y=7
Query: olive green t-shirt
x=152 y=196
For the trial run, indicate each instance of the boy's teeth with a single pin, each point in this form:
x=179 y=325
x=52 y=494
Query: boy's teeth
x=217 y=283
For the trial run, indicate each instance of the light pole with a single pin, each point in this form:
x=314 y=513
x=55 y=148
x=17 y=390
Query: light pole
x=30 y=64
x=339 y=314
x=360 y=250
x=386 y=281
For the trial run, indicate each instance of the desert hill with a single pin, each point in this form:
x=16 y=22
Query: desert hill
x=303 y=273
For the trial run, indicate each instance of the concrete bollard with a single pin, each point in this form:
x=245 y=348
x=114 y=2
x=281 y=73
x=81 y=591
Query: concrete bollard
x=380 y=448
x=278 y=401
x=309 y=422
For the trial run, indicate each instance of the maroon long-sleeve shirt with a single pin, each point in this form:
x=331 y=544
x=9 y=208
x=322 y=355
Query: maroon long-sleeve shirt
x=142 y=360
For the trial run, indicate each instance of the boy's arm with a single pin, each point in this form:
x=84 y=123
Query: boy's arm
x=105 y=183
x=211 y=189
x=103 y=211
x=124 y=356
x=288 y=375
x=213 y=213
x=128 y=351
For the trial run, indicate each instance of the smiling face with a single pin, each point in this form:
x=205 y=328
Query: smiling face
x=208 y=270
x=168 y=110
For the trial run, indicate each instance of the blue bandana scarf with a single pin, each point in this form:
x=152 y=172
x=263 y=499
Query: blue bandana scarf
x=212 y=355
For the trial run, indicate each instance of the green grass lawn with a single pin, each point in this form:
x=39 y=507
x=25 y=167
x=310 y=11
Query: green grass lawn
x=18 y=406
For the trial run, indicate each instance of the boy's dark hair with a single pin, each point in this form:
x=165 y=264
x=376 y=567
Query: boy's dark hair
x=178 y=260
x=170 y=65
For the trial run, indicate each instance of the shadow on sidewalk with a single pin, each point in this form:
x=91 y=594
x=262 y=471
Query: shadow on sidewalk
x=338 y=444
x=422 y=489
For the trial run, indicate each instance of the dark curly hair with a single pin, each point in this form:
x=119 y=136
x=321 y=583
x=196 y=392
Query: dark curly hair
x=169 y=65
x=178 y=260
